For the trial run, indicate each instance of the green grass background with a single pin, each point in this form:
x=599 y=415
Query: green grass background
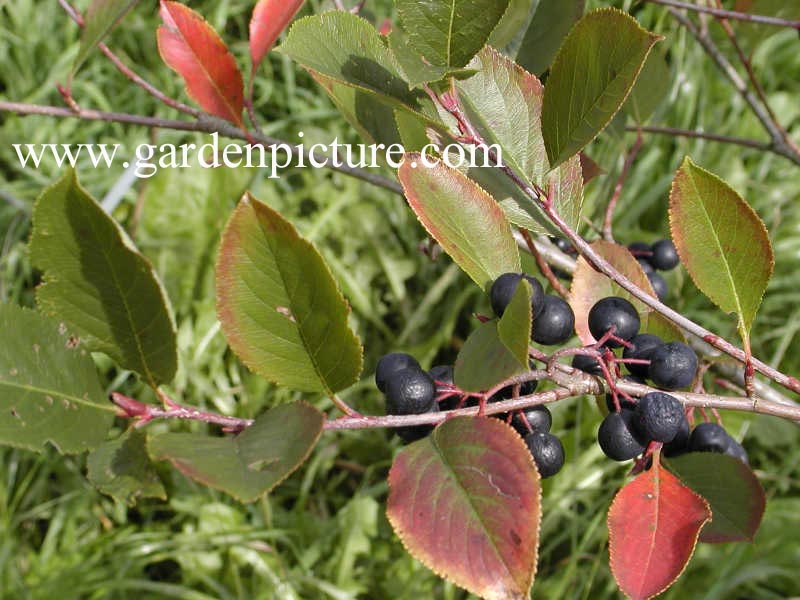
x=323 y=533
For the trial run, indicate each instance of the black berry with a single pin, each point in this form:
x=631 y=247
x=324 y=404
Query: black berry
x=646 y=266
x=641 y=346
x=616 y=437
x=547 y=452
x=391 y=363
x=587 y=364
x=538 y=418
x=672 y=366
x=410 y=392
x=736 y=450
x=503 y=290
x=555 y=323
x=641 y=250
x=659 y=285
x=442 y=373
x=412 y=433
x=680 y=443
x=617 y=313
x=665 y=256
x=659 y=417
x=564 y=245
x=709 y=437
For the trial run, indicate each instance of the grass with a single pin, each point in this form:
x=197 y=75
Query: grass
x=323 y=533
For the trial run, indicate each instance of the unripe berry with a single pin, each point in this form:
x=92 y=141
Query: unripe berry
x=659 y=417
x=555 y=323
x=641 y=346
x=391 y=363
x=665 y=256
x=503 y=290
x=613 y=313
x=547 y=452
x=672 y=366
x=410 y=392
x=616 y=438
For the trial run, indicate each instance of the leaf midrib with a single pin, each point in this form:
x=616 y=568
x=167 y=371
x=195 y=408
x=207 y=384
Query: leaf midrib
x=54 y=393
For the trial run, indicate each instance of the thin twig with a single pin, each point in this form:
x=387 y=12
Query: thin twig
x=128 y=72
x=206 y=124
x=772 y=128
x=544 y=267
x=713 y=137
x=612 y=204
x=730 y=14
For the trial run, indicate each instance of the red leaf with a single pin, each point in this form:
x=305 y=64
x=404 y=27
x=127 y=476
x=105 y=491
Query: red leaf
x=466 y=502
x=270 y=17
x=192 y=48
x=653 y=526
x=589 y=168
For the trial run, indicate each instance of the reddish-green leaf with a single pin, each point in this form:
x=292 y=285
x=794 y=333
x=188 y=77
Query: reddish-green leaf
x=591 y=76
x=270 y=17
x=250 y=464
x=466 y=502
x=279 y=306
x=589 y=286
x=504 y=104
x=731 y=488
x=721 y=241
x=191 y=47
x=468 y=224
x=100 y=18
x=653 y=525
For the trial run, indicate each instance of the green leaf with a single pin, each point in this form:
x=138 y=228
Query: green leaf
x=589 y=286
x=466 y=502
x=100 y=18
x=752 y=34
x=504 y=104
x=279 y=306
x=510 y=26
x=122 y=469
x=650 y=89
x=592 y=74
x=464 y=219
x=49 y=389
x=99 y=284
x=250 y=464
x=346 y=48
x=485 y=360
x=416 y=71
x=448 y=33
x=721 y=241
x=731 y=488
x=550 y=24
x=514 y=327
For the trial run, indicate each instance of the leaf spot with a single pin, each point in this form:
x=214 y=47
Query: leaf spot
x=286 y=312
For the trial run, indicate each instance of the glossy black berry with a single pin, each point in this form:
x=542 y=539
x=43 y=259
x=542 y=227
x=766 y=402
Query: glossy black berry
x=412 y=433
x=672 y=366
x=646 y=266
x=555 y=323
x=503 y=290
x=617 y=313
x=442 y=373
x=659 y=285
x=564 y=245
x=538 y=418
x=616 y=436
x=680 y=443
x=410 y=392
x=587 y=364
x=641 y=346
x=659 y=417
x=709 y=437
x=641 y=250
x=391 y=363
x=736 y=450
x=547 y=452
x=665 y=256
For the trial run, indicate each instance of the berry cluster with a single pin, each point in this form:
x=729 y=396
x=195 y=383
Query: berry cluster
x=553 y=319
